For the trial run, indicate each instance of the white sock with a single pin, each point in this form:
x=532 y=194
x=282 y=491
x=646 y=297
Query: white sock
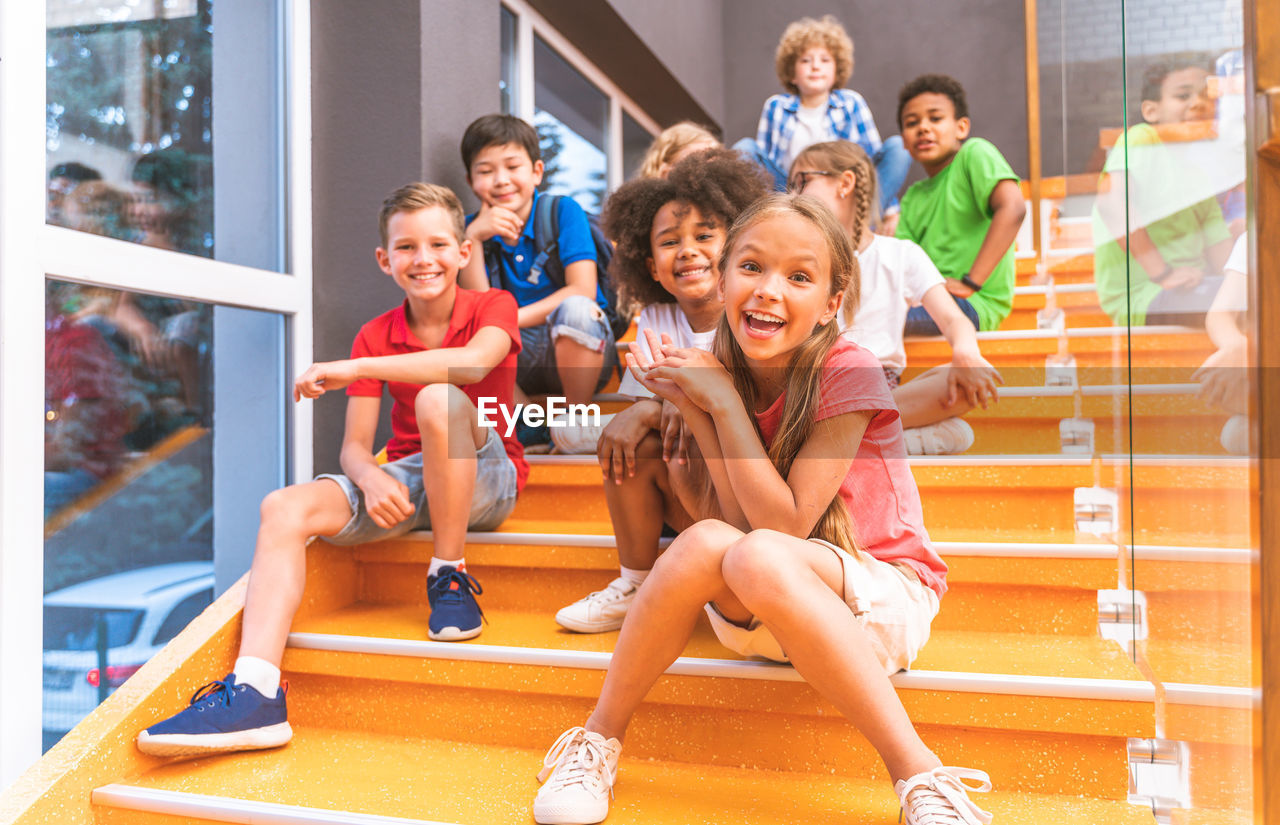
x=259 y=674
x=437 y=563
x=635 y=577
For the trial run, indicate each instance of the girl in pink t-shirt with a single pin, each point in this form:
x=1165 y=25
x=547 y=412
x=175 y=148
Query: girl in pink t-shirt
x=819 y=554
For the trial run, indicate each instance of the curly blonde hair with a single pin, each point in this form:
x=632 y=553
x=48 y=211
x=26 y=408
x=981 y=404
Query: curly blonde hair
x=670 y=142
x=806 y=33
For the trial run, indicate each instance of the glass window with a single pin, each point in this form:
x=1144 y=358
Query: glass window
x=130 y=134
x=571 y=116
x=132 y=455
x=507 y=81
x=181 y=616
x=635 y=142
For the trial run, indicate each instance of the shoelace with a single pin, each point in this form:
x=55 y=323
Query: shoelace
x=575 y=758
x=613 y=592
x=444 y=585
x=216 y=691
x=938 y=797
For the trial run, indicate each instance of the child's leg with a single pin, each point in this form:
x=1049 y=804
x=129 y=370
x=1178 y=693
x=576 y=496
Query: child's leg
x=451 y=435
x=792 y=585
x=290 y=516
x=580 y=336
x=750 y=149
x=662 y=619
x=893 y=162
x=923 y=399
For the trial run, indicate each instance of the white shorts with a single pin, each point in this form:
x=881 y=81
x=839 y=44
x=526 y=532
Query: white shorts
x=889 y=600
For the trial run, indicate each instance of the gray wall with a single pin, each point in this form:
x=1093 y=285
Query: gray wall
x=385 y=110
x=980 y=43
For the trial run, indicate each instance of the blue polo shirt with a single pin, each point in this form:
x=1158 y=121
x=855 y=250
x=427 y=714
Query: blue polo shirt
x=575 y=245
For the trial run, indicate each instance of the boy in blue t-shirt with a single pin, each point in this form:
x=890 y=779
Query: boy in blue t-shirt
x=568 y=343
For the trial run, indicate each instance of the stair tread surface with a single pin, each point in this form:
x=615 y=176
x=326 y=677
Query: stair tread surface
x=387 y=775
x=1012 y=654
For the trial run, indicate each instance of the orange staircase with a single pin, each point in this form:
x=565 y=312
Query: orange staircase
x=1017 y=678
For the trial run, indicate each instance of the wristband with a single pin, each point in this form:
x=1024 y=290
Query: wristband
x=971 y=283
x=1164 y=273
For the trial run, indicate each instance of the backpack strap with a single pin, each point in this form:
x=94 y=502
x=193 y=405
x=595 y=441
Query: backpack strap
x=546 y=239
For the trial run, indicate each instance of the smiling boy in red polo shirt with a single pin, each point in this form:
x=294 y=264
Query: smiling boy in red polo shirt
x=438 y=353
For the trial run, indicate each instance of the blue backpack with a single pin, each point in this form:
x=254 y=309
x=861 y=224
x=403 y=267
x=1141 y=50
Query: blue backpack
x=546 y=240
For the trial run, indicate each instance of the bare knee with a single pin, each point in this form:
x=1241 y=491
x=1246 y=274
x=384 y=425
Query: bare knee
x=700 y=549
x=752 y=567
x=284 y=510
x=437 y=406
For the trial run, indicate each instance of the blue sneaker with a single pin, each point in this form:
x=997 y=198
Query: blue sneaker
x=222 y=717
x=454 y=613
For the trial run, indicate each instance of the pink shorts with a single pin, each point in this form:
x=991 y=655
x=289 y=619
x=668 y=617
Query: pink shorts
x=889 y=600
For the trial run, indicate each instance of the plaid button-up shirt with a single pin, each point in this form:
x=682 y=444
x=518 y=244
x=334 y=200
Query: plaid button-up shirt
x=848 y=117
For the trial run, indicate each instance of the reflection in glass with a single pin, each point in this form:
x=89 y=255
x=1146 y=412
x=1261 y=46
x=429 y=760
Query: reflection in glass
x=507 y=61
x=129 y=121
x=635 y=142
x=129 y=475
x=571 y=116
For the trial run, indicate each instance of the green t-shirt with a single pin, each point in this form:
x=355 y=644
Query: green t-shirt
x=1157 y=183
x=949 y=215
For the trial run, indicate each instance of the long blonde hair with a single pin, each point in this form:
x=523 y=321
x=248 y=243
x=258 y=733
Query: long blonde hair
x=804 y=372
x=839 y=156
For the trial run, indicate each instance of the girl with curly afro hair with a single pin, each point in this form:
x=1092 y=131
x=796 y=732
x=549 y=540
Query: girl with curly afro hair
x=668 y=235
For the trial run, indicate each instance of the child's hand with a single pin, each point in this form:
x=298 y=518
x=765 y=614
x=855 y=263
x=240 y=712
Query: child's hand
x=616 y=449
x=675 y=435
x=495 y=220
x=385 y=499
x=1224 y=377
x=324 y=376
x=684 y=377
x=956 y=288
x=1182 y=277
x=972 y=378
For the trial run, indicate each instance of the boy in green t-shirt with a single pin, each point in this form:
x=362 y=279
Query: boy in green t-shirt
x=967 y=213
x=1160 y=242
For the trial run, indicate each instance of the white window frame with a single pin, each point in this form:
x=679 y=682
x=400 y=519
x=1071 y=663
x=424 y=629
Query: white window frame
x=528 y=24
x=30 y=250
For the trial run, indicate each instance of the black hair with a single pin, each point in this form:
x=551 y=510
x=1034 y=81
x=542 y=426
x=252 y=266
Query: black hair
x=1153 y=74
x=940 y=84
x=498 y=130
x=720 y=182
x=77 y=172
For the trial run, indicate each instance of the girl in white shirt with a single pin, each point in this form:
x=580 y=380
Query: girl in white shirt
x=668 y=234
x=897 y=275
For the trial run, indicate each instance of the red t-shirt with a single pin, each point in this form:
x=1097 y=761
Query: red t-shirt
x=86 y=386
x=879 y=489
x=389 y=334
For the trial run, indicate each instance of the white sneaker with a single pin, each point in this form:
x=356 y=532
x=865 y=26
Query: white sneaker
x=947 y=437
x=602 y=611
x=579 y=439
x=578 y=775
x=939 y=797
x=1235 y=435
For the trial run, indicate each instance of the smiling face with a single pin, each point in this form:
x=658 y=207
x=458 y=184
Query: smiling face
x=423 y=254
x=503 y=175
x=777 y=288
x=931 y=131
x=686 y=246
x=1184 y=96
x=815 y=72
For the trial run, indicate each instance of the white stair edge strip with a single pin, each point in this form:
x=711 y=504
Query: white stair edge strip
x=1103 y=390
x=1056 y=687
x=1077 y=332
x=1212 y=696
x=230 y=809
x=1022 y=460
x=1040 y=289
x=1005 y=549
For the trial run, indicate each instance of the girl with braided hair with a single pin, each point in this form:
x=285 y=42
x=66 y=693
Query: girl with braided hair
x=896 y=274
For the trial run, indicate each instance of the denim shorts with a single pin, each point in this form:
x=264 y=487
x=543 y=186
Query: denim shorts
x=493 y=500
x=920 y=322
x=889 y=601
x=580 y=319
